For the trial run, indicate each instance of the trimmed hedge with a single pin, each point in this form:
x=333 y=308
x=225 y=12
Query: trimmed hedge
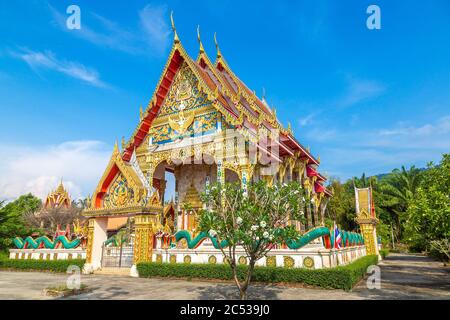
x=344 y=277
x=40 y=265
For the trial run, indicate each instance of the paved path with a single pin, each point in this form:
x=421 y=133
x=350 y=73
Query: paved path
x=403 y=276
x=409 y=277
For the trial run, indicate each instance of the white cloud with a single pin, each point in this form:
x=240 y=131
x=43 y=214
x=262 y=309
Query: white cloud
x=322 y=134
x=442 y=126
x=377 y=151
x=47 y=60
x=149 y=38
x=430 y=136
x=360 y=90
x=307 y=120
x=38 y=169
x=153 y=21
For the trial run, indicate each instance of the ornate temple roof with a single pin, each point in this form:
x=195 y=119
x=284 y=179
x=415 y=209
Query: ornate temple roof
x=239 y=105
x=59 y=198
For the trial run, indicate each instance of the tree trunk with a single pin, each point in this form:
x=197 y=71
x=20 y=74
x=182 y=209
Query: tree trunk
x=236 y=279
x=392 y=236
x=243 y=294
x=244 y=287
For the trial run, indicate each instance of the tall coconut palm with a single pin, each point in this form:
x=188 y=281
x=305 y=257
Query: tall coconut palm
x=400 y=187
x=397 y=190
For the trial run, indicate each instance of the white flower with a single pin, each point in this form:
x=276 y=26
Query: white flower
x=257 y=238
x=302 y=213
x=303 y=198
x=212 y=233
x=265 y=235
x=271 y=238
x=254 y=228
x=263 y=224
x=239 y=220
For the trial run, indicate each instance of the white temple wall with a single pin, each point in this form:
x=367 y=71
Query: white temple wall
x=321 y=258
x=47 y=254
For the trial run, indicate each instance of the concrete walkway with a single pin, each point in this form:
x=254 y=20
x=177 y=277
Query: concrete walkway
x=409 y=277
x=403 y=277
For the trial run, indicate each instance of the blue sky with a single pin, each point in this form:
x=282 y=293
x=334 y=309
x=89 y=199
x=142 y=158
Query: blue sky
x=364 y=100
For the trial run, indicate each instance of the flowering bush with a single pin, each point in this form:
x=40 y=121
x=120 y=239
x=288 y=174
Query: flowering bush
x=256 y=221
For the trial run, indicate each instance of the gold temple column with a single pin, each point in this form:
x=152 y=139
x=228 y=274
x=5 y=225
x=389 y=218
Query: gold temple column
x=365 y=216
x=143 y=240
x=90 y=239
x=368 y=230
x=309 y=211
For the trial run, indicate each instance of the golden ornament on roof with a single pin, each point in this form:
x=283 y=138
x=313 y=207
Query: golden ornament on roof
x=183 y=122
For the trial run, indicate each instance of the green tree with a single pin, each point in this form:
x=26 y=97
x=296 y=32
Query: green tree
x=255 y=222
x=12 y=219
x=341 y=207
x=396 y=191
x=428 y=213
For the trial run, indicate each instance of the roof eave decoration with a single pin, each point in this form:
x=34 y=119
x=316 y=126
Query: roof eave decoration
x=116 y=164
x=176 y=57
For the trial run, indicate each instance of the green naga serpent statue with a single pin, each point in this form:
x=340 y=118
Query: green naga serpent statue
x=348 y=239
x=45 y=242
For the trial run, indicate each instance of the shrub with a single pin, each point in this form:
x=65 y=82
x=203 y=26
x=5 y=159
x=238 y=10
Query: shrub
x=384 y=253
x=40 y=265
x=440 y=249
x=343 y=277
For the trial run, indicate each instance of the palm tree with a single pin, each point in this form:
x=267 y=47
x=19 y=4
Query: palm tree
x=397 y=190
x=401 y=186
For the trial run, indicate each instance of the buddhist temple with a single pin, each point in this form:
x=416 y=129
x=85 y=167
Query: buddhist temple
x=185 y=130
x=59 y=198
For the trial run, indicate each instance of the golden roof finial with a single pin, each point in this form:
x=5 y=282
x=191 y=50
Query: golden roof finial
x=318 y=159
x=123 y=142
x=116 y=147
x=141 y=113
x=219 y=54
x=289 y=127
x=175 y=35
x=60 y=188
x=199 y=40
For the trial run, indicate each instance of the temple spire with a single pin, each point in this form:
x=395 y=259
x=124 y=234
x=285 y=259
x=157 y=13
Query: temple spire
x=202 y=50
x=175 y=35
x=219 y=54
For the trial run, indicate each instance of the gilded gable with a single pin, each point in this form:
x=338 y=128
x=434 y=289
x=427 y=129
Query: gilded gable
x=119 y=193
x=186 y=111
x=184 y=93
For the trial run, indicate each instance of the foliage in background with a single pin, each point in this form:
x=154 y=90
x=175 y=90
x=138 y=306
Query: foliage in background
x=428 y=213
x=411 y=204
x=12 y=222
x=46 y=221
x=384 y=253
